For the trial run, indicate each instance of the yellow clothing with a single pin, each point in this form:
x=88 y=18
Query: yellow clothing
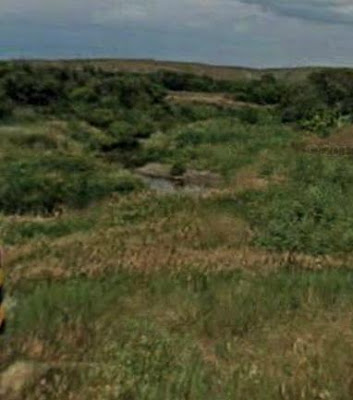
x=2 y=317
x=2 y=277
x=2 y=311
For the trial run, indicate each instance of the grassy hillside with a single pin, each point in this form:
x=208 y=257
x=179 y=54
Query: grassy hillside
x=225 y=274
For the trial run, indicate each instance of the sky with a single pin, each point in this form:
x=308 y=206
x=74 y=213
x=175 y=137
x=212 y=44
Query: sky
x=254 y=33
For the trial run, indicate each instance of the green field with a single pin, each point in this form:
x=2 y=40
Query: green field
x=224 y=275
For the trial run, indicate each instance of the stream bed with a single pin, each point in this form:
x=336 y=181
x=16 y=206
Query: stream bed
x=165 y=185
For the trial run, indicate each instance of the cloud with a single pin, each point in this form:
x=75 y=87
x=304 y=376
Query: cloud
x=240 y=32
x=197 y=13
x=184 y=12
x=327 y=11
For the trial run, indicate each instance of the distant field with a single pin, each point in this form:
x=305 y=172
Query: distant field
x=215 y=99
x=213 y=71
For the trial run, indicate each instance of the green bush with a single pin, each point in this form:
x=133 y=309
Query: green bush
x=119 y=129
x=335 y=88
x=318 y=103
x=322 y=123
x=131 y=91
x=123 y=137
x=266 y=90
x=301 y=102
x=184 y=81
x=83 y=94
x=33 y=87
x=311 y=213
x=41 y=184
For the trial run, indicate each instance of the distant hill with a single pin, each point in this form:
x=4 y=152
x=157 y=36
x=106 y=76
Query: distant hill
x=214 y=71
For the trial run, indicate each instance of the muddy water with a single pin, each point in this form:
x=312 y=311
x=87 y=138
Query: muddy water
x=164 y=185
x=158 y=177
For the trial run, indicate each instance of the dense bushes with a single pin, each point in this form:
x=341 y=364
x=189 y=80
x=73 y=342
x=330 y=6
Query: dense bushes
x=302 y=104
x=102 y=97
x=82 y=91
x=94 y=88
x=266 y=90
x=32 y=88
x=130 y=90
x=184 y=81
x=41 y=184
x=311 y=213
x=335 y=87
x=319 y=103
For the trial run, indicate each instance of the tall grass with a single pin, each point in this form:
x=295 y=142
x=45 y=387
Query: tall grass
x=192 y=334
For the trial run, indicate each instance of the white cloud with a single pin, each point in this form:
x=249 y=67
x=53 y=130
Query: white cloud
x=250 y=32
x=184 y=12
x=190 y=12
x=328 y=11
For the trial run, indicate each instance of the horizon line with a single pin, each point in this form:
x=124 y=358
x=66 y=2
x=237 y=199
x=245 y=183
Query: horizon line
x=168 y=61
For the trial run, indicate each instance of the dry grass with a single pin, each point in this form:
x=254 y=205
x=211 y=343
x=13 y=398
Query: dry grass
x=224 y=331
x=204 y=239
x=216 y=99
x=341 y=139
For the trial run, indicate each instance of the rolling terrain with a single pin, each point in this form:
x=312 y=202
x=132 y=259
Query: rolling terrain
x=214 y=71
x=173 y=244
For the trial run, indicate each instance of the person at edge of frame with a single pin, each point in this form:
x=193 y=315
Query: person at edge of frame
x=2 y=278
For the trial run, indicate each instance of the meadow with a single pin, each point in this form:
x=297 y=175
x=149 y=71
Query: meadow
x=116 y=290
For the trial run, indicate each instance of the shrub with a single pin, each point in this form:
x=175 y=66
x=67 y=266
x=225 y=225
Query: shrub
x=322 y=122
x=266 y=90
x=131 y=91
x=39 y=185
x=335 y=88
x=303 y=214
x=184 y=81
x=83 y=94
x=27 y=87
x=301 y=102
x=120 y=129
